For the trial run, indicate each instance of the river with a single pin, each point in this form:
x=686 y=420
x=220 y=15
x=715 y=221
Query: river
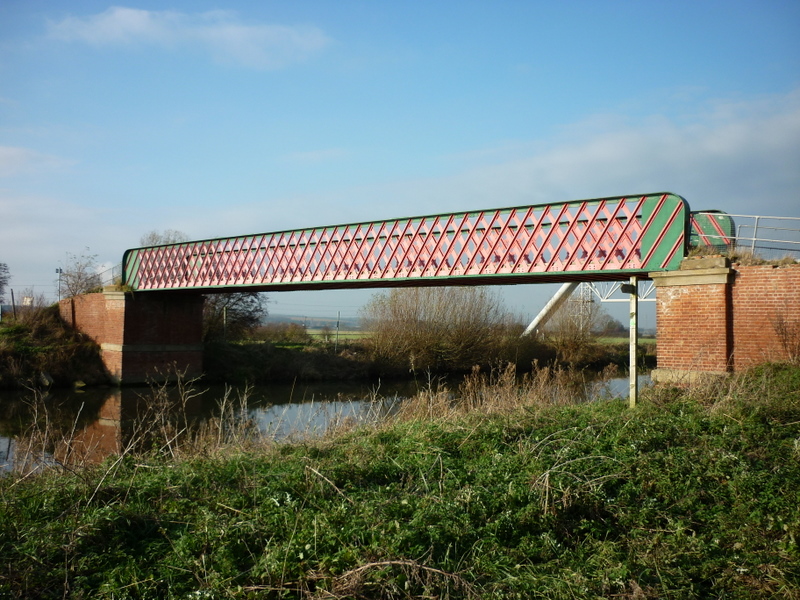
x=95 y=419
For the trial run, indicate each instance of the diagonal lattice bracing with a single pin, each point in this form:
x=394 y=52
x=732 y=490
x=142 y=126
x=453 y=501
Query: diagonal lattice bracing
x=588 y=239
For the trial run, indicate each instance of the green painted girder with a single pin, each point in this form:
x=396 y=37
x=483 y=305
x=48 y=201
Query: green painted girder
x=582 y=240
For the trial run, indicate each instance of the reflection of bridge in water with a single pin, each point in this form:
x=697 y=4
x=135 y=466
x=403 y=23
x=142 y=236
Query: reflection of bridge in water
x=86 y=427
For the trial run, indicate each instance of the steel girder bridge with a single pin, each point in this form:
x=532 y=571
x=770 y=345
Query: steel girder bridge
x=605 y=239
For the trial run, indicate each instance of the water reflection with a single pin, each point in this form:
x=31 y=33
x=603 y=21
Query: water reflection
x=72 y=427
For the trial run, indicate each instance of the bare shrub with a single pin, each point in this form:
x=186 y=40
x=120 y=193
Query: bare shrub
x=33 y=449
x=573 y=328
x=500 y=391
x=232 y=316
x=167 y=426
x=33 y=307
x=438 y=328
x=789 y=335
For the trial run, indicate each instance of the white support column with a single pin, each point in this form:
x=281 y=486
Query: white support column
x=633 y=289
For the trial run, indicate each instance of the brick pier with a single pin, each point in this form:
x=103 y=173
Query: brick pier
x=716 y=318
x=142 y=336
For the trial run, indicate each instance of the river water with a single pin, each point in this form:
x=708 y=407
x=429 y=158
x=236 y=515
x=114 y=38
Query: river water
x=95 y=419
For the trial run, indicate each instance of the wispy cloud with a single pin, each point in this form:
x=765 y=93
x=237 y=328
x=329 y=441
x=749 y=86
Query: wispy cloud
x=220 y=33
x=21 y=161
x=736 y=156
x=741 y=158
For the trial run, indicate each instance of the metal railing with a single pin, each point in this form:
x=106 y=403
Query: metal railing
x=111 y=276
x=770 y=238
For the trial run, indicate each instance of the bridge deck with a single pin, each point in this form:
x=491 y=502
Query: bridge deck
x=583 y=240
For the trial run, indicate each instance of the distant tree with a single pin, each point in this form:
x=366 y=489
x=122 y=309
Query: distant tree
x=438 y=328
x=232 y=316
x=79 y=275
x=4 y=277
x=159 y=238
x=608 y=325
x=573 y=329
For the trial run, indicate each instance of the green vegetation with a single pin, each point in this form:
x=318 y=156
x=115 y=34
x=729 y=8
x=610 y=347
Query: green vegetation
x=498 y=490
x=447 y=329
x=37 y=348
x=260 y=362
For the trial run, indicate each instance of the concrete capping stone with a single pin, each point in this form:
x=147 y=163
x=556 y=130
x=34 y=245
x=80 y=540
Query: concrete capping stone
x=692 y=277
x=705 y=262
x=681 y=377
x=113 y=293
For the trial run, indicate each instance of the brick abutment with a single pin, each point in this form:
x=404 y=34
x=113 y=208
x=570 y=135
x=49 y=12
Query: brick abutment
x=143 y=337
x=716 y=318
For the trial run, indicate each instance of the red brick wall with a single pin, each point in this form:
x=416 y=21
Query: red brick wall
x=761 y=295
x=163 y=318
x=142 y=336
x=97 y=315
x=717 y=327
x=692 y=322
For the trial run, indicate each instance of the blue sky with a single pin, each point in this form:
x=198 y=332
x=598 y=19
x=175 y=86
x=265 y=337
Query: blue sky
x=229 y=118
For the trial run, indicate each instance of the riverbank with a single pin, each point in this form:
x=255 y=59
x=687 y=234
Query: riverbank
x=259 y=362
x=507 y=492
x=38 y=350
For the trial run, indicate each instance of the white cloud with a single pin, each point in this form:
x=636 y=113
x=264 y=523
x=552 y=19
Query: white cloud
x=741 y=158
x=220 y=33
x=17 y=161
x=742 y=161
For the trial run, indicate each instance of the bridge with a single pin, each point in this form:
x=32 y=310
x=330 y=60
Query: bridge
x=154 y=320
x=584 y=240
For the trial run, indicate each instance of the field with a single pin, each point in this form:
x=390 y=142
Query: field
x=351 y=334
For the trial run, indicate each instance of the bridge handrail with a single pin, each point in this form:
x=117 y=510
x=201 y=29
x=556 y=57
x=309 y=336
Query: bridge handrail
x=758 y=223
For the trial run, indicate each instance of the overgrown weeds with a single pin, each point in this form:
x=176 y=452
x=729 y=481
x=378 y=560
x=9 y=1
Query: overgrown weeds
x=502 y=390
x=38 y=347
x=691 y=495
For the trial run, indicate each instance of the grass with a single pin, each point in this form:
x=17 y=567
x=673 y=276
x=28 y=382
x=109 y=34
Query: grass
x=330 y=334
x=495 y=490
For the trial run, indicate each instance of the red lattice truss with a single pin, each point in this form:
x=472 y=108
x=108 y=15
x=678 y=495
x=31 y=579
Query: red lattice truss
x=589 y=236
